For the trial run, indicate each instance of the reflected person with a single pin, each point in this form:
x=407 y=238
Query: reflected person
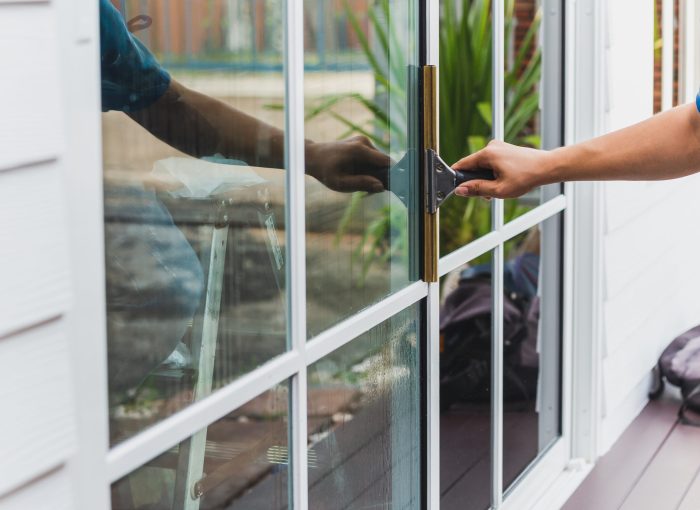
x=154 y=279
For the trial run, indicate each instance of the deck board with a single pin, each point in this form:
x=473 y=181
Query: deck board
x=470 y=490
x=691 y=500
x=650 y=466
x=668 y=476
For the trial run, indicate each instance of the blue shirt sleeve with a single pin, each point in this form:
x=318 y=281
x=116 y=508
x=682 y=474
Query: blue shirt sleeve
x=132 y=79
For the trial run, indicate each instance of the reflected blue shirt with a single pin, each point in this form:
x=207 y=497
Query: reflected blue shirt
x=132 y=79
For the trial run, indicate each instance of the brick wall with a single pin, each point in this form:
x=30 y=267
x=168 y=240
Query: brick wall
x=657 y=56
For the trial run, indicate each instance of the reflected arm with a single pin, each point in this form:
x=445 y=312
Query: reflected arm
x=200 y=125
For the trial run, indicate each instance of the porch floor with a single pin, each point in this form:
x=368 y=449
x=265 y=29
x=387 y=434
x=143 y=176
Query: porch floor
x=655 y=465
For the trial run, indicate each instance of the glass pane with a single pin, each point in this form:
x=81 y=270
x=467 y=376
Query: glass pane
x=525 y=121
x=465 y=109
x=239 y=462
x=465 y=386
x=361 y=102
x=532 y=346
x=364 y=421
x=193 y=147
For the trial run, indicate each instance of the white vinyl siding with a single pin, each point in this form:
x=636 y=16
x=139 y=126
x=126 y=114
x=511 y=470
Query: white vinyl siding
x=37 y=429
x=52 y=491
x=650 y=275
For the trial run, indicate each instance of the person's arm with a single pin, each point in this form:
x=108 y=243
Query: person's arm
x=665 y=146
x=200 y=125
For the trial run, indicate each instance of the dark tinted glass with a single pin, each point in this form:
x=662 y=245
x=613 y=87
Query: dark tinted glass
x=465 y=386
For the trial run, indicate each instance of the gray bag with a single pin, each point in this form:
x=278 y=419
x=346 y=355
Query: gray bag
x=679 y=364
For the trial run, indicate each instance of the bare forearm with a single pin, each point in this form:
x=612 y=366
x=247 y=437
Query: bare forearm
x=663 y=147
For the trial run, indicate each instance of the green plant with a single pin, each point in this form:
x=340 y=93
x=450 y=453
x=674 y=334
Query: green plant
x=465 y=110
x=466 y=53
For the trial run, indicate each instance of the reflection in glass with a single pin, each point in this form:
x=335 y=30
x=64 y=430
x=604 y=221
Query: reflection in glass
x=239 y=462
x=465 y=386
x=359 y=246
x=363 y=419
x=532 y=346
x=531 y=364
x=194 y=199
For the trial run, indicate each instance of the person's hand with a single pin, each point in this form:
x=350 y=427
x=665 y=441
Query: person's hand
x=349 y=165
x=517 y=170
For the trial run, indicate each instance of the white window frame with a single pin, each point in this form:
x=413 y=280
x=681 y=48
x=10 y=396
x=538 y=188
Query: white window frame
x=549 y=467
x=96 y=466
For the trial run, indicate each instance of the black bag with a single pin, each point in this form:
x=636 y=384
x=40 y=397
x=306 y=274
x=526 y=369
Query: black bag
x=679 y=364
x=465 y=327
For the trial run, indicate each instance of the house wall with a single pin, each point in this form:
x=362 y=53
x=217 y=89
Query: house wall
x=650 y=274
x=37 y=428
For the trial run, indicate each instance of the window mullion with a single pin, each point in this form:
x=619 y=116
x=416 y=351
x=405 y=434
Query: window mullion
x=296 y=245
x=498 y=109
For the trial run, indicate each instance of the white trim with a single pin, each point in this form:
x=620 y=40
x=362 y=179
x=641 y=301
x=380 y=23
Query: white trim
x=78 y=31
x=687 y=38
x=432 y=24
x=585 y=109
x=567 y=325
x=433 y=389
x=133 y=453
x=511 y=229
x=295 y=210
x=340 y=334
x=462 y=255
x=586 y=392
x=498 y=123
x=497 y=379
x=563 y=486
x=533 y=217
x=536 y=479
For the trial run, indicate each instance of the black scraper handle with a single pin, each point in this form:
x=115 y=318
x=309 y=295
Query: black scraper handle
x=471 y=175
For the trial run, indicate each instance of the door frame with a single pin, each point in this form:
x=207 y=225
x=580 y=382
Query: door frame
x=95 y=466
x=548 y=469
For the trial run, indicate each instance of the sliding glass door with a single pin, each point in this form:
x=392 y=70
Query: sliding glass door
x=501 y=266
x=265 y=309
x=290 y=322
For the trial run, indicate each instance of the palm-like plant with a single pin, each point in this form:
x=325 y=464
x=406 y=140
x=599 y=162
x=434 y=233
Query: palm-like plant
x=465 y=108
x=465 y=103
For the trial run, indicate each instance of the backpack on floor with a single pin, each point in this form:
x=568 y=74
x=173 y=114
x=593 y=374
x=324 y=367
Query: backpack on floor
x=679 y=364
x=465 y=332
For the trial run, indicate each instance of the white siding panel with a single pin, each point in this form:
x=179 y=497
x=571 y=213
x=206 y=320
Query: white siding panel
x=625 y=201
x=37 y=429
x=30 y=130
x=634 y=249
x=649 y=291
x=33 y=247
x=630 y=61
x=618 y=420
x=676 y=309
x=51 y=492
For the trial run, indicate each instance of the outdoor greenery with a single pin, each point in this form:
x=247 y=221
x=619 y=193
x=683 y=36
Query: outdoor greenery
x=466 y=52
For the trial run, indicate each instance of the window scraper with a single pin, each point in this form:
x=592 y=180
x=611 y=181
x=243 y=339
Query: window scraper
x=441 y=182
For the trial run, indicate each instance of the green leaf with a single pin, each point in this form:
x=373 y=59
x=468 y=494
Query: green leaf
x=476 y=143
x=484 y=109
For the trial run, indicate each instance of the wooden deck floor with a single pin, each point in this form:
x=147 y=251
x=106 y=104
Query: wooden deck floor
x=655 y=465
